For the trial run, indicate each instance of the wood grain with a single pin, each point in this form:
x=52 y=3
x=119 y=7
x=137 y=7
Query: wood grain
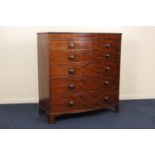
x=66 y=45
x=82 y=100
x=72 y=56
x=43 y=74
x=84 y=84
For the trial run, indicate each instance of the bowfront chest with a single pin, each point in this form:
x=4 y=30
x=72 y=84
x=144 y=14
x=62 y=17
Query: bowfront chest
x=78 y=72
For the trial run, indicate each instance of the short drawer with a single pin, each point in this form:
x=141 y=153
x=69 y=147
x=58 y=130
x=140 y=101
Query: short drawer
x=69 y=85
x=100 y=44
x=64 y=56
x=78 y=70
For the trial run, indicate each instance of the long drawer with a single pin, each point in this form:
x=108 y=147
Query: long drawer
x=81 y=101
x=84 y=69
x=69 y=56
x=91 y=44
x=70 y=85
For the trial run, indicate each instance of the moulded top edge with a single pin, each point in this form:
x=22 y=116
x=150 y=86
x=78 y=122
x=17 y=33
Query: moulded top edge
x=78 y=33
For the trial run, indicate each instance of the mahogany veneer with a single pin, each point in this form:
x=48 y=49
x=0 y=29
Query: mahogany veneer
x=78 y=72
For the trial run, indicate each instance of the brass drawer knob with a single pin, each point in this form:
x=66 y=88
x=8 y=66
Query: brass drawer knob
x=71 y=45
x=71 y=103
x=71 y=86
x=71 y=71
x=107 y=45
x=71 y=57
x=107 y=55
x=106 y=98
x=106 y=83
x=107 y=68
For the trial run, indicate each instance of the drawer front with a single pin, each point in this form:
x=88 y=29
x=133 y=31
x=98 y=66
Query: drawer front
x=78 y=70
x=108 y=70
x=80 y=101
x=84 y=36
x=69 y=56
x=83 y=84
x=68 y=45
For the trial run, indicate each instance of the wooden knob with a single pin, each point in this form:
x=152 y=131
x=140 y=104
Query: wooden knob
x=106 y=98
x=71 y=57
x=106 y=83
x=107 y=55
x=107 y=68
x=71 y=86
x=71 y=103
x=71 y=45
x=107 y=45
x=71 y=71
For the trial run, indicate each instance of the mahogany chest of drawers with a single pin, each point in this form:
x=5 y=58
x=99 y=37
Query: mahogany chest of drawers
x=78 y=72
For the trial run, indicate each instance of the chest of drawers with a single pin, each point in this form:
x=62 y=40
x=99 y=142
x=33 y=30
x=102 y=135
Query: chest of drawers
x=78 y=72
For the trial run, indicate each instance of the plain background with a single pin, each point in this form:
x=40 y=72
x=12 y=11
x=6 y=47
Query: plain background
x=77 y=13
x=19 y=74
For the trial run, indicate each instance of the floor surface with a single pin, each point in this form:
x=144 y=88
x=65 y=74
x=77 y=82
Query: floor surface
x=134 y=114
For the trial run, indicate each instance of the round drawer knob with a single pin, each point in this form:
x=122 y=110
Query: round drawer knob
x=71 y=57
x=107 y=45
x=107 y=68
x=71 y=86
x=107 y=55
x=106 y=83
x=71 y=71
x=71 y=103
x=71 y=45
x=106 y=98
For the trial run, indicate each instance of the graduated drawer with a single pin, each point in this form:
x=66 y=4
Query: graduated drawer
x=69 y=85
x=92 y=69
x=69 y=56
x=80 y=101
x=91 y=44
